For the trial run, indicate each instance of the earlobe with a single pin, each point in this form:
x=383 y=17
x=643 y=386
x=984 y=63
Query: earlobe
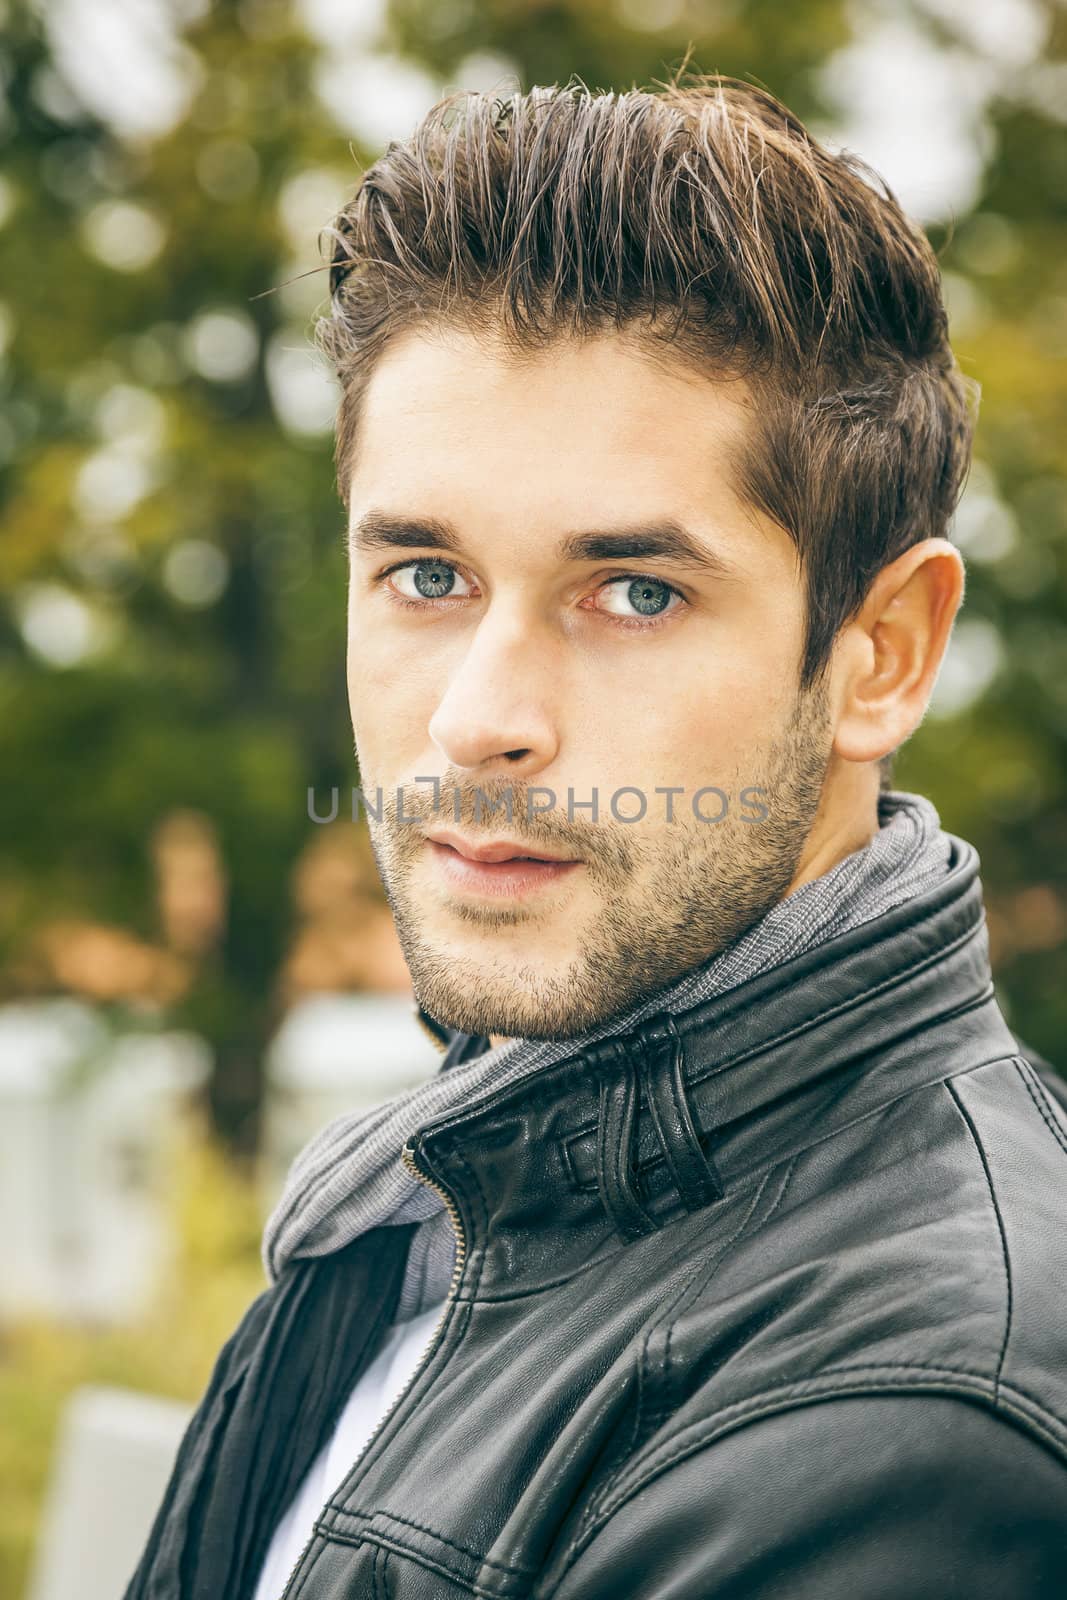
x=900 y=637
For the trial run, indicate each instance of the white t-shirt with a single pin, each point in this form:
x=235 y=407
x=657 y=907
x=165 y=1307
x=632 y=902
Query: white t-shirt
x=370 y=1399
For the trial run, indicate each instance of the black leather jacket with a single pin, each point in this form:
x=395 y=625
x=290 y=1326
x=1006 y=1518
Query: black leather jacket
x=767 y=1300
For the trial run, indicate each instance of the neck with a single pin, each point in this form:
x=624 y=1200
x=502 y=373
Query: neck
x=846 y=820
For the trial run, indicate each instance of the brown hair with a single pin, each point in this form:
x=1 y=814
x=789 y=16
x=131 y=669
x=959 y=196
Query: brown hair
x=704 y=218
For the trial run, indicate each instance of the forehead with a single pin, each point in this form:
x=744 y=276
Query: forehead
x=586 y=430
x=449 y=388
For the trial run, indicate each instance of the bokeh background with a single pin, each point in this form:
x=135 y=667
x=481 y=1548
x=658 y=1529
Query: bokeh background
x=172 y=591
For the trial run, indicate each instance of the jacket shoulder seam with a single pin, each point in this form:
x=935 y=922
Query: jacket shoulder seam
x=1012 y=1405
x=893 y=980
x=1036 y=1090
x=1005 y=1256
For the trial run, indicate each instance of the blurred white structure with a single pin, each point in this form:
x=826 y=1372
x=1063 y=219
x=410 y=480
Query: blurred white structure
x=333 y=1054
x=87 y=1123
x=113 y=1458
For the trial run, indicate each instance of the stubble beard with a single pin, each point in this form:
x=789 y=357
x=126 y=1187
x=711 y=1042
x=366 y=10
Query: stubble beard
x=666 y=900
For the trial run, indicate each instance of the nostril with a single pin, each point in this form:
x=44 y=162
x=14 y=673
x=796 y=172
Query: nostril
x=516 y=755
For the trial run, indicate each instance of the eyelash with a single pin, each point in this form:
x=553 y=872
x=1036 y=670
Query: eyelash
x=630 y=624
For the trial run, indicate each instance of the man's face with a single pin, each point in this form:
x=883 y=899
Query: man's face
x=538 y=669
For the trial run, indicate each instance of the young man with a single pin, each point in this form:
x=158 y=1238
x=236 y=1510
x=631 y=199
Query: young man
x=725 y=1256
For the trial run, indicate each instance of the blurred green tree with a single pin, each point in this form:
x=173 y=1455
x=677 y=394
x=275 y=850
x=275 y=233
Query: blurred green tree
x=172 y=632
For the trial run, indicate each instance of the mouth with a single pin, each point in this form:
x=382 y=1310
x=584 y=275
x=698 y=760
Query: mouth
x=495 y=850
x=501 y=869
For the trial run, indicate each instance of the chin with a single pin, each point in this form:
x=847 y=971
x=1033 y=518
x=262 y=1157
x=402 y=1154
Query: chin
x=522 y=1011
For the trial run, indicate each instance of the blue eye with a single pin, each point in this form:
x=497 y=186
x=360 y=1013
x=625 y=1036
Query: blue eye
x=637 y=599
x=432 y=579
x=649 y=597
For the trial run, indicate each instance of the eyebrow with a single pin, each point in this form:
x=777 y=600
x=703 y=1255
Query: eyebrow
x=667 y=540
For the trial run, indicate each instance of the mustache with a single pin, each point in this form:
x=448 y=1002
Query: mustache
x=532 y=821
x=527 y=810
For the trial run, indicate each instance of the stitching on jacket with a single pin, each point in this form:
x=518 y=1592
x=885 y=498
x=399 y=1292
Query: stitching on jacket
x=928 y=1372
x=690 y=1288
x=701 y=1286
x=1035 y=1088
x=758 y=1412
x=786 y=1181
x=965 y=1114
x=622 y=1454
x=515 y=1567
x=700 y=1283
x=814 y=1390
x=689 y=1292
x=763 y=1223
x=1008 y=1384
x=920 y=914
x=376 y=1536
x=887 y=985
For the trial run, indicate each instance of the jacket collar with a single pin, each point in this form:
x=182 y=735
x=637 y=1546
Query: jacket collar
x=687 y=1108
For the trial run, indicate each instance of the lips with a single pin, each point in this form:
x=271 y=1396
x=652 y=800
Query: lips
x=494 y=850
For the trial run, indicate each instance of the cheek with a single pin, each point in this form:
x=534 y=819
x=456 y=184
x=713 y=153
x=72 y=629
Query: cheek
x=714 y=716
x=374 y=665
x=369 y=678
x=749 y=678
x=371 y=688
x=392 y=696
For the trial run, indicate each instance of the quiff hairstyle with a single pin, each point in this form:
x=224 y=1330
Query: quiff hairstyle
x=705 y=220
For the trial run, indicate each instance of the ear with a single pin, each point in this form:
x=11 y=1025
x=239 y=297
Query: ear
x=887 y=658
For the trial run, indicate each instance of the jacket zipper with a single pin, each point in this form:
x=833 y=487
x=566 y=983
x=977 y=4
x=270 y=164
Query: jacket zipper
x=407 y=1155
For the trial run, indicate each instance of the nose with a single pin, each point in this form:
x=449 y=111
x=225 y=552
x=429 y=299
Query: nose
x=494 y=715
